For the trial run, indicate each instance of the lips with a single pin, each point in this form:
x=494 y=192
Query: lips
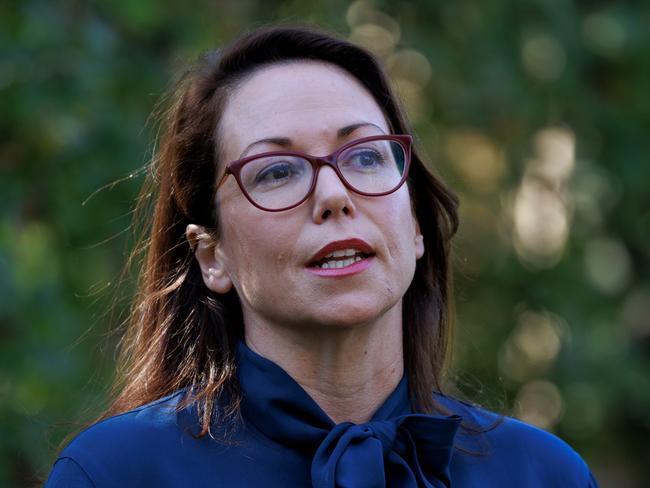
x=342 y=250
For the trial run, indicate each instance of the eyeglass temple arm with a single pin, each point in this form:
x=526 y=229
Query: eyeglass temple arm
x=223 y=178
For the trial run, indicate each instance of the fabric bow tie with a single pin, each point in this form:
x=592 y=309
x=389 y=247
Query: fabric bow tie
x=408 y=451
x=396 y=448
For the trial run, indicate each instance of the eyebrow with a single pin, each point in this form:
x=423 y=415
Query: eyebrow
x=286 y=142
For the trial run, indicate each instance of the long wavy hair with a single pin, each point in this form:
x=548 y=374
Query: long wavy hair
x=179 y=334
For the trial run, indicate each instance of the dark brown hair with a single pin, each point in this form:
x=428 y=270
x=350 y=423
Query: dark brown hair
x=182 y=335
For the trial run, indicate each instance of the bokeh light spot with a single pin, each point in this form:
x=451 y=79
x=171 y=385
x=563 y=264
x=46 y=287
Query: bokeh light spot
x=539 y=403
x=410 y=65
x=604 y=34
x=543 y=57
x=607 y=264
x=476 y=157
x=540 y=208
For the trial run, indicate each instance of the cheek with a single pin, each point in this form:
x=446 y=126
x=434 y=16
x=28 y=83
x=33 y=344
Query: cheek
x=256 y=248
x=398 y=225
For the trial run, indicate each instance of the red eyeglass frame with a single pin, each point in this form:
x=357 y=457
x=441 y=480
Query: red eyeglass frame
x=234 y=167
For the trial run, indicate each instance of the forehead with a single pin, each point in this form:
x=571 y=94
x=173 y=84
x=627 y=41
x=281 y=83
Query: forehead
x=302 y=100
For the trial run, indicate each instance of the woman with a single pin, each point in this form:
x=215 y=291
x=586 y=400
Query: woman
x=294 y=312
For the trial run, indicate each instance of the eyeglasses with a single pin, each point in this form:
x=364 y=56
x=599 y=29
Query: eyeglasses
x=279 y=180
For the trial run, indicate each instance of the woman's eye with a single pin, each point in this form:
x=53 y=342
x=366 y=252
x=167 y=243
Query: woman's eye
x=367 y=159
x=276 y=173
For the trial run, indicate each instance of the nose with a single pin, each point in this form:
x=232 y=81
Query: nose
x=331 y=198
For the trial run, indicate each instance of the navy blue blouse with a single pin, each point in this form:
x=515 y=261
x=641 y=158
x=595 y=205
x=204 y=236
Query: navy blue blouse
x=286 y=440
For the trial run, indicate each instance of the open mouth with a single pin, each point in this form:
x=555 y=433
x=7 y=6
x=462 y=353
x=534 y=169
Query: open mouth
x=341 y=258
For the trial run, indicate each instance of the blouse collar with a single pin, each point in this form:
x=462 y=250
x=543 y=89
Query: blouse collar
x=395 y=447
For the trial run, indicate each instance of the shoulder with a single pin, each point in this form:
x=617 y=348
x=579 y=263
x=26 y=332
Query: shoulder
x=135 y=426
x=514 y=449
x=122 y=445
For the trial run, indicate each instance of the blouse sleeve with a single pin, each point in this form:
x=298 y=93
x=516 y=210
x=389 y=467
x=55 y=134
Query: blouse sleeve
x=67 y=473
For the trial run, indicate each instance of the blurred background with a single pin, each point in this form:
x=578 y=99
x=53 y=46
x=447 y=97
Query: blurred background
x=536 y=112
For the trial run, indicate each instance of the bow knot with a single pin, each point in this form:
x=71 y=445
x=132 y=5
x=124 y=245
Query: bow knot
x=408 y=451
x=382 y=430
x=396 y=448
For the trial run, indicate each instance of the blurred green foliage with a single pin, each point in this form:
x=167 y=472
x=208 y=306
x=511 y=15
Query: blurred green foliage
x=536 y=112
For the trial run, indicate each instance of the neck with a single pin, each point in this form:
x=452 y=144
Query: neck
x=349 y=372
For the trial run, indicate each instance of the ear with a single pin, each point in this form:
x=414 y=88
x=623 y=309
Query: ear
x=419 y=240
x=210 y=257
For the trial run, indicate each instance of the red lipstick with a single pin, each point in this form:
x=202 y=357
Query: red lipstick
x=358 y=244
x=364 y=250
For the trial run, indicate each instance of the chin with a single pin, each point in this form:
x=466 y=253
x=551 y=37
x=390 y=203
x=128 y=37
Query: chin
x=353 y=315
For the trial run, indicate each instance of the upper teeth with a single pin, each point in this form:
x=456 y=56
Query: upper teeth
x=340 y=263
x=331 y=260
x=342 y=252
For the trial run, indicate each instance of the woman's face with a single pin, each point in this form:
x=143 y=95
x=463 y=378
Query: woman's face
x=268 y=257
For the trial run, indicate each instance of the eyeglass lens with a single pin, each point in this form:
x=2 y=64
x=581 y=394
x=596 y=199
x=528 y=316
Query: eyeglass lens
x=280 y=181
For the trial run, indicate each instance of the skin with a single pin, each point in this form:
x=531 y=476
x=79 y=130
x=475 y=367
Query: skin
x=340 y=338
